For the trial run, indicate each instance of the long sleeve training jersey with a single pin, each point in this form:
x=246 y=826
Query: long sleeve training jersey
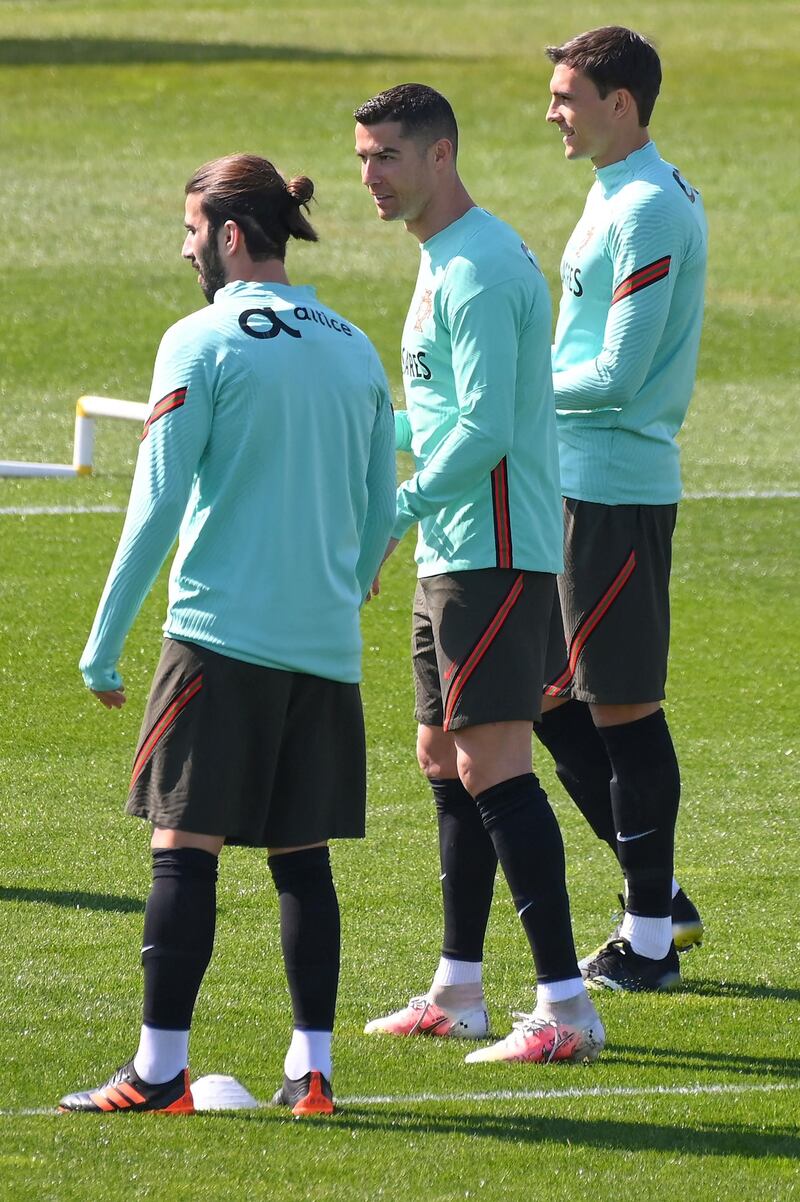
x=269 y=451
x=628 y=332
x=479 y=417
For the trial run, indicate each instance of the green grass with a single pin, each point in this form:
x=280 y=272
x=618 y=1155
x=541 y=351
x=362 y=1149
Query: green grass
x=107 y=108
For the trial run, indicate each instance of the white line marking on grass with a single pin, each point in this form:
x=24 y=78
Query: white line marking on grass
x=25 y=511
x=515 y=1095
x=743 y=494
x=598 y=1091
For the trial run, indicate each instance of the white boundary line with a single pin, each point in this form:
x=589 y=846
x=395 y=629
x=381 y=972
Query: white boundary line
x=522 y=1095
x=597 y=1091
x=745 y=494
x=25 y=511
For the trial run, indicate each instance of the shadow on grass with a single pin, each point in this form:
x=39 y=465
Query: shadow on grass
x=699 y=1139
x=715 y=1062
x=83 y=52
x=74 y=900
x=739 y=989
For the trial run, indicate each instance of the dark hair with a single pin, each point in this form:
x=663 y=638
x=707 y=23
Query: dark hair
x=615 y=57
x=250 y=191
x=423 y=113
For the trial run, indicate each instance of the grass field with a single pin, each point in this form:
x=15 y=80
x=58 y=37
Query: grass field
x=107 y=107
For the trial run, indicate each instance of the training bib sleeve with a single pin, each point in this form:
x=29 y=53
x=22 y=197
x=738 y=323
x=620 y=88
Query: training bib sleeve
x=381 y=488
x=484 y=334
x=174 y=435
x=646 y=250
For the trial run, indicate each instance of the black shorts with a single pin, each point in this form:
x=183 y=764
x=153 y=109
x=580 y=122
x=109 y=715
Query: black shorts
x=609 y=633
x=263 y=757
x=478 y=644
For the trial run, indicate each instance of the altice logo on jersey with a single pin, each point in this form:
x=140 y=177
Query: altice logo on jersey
x=278 y=326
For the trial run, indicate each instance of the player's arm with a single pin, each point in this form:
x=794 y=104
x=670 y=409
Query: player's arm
x=484 y=334
x=646 y=250
x=381 y=484
x=173 y=439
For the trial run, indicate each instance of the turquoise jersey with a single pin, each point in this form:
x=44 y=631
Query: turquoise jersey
x=479 y=417
x=628 y=333
x=269 y=451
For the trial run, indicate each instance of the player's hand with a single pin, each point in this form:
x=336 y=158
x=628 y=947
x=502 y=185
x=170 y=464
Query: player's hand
x=375 y=589
x=112 y=699
x=393 y=542
x=376 y=584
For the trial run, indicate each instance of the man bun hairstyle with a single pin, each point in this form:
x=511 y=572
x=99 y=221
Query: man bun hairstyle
x=250 y=191
x=423 y=113
x=615 y=57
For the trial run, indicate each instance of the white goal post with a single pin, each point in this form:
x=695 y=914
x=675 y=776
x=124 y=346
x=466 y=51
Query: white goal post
x=87 y=410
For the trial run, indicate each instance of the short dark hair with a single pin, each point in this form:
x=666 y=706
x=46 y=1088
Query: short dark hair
x=250 y=191
x=615 y=57
x=423 y=112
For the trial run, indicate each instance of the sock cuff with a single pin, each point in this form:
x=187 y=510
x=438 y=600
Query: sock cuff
x=561 y=718
x=507 y=788
x=651 y=729
x=291 y=867
x=450 y=793
x=559 y=991
x=457 y=972
x=191 y=863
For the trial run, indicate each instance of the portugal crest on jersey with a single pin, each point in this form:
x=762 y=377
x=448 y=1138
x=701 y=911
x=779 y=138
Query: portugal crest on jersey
x=424 y=310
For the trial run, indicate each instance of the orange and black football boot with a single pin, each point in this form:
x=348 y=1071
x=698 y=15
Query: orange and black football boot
x=308 y=1095
x=126 y=1092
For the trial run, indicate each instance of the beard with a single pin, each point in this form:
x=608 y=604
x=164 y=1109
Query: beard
x=211 y=268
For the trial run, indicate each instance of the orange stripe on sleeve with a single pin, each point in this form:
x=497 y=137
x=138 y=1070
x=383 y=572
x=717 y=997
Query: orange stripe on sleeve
x=642 y=278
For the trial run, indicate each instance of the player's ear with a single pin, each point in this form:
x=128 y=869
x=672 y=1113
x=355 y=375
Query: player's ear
x=624 y=103
x=232 y=237
x=442 y=152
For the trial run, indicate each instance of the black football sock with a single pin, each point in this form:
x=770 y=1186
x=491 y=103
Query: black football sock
x=645 y=791
x=527 y=840
x=581 y=763
x=469 y=864
x=178 y=938
x=309 y=912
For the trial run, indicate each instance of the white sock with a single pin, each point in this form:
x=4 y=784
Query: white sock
x=577 y=1010
x=649 y=937
x=458 y=972
x=308 y=1050
x=675 y=887
x=161 y=1054
x=558 y=991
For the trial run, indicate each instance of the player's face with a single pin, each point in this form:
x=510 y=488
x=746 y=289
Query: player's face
x=586 y=119
x=201 y=248
x=397 y=171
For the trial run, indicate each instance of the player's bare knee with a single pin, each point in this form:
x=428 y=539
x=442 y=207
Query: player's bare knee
x=436 y=753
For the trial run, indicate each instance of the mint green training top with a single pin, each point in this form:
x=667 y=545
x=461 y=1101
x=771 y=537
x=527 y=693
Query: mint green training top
x=628 y=332
x=269 y=450
x=479 y=417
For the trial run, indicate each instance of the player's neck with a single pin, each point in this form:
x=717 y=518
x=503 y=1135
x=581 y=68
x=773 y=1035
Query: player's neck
x=624 y=146
x=258 y=271
x=442 y=210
